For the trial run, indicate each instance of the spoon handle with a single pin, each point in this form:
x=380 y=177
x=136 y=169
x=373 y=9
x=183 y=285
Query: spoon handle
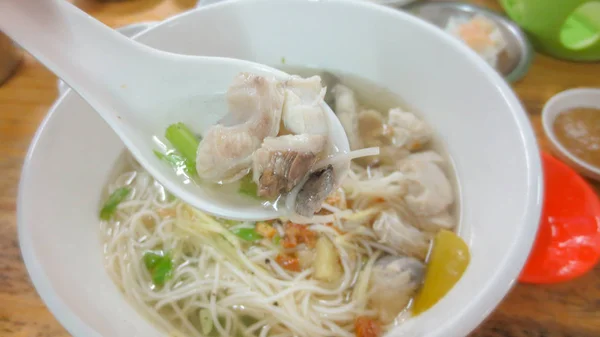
x=70 y=43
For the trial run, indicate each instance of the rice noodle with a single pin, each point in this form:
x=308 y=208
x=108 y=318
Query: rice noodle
x=346 y=157
x=285 y=303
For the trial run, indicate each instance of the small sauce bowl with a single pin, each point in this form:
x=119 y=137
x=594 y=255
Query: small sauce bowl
x=563 y=102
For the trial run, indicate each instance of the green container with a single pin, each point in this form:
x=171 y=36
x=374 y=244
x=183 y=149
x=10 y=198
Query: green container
x=566 y=29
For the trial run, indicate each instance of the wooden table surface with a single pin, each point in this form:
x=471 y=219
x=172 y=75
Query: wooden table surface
x=570 y=309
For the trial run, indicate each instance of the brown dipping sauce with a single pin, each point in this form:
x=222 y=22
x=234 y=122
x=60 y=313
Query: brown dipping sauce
x=578 y=130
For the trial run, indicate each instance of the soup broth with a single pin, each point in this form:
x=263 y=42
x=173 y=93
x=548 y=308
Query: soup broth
x=357 y=265
x=578 y=130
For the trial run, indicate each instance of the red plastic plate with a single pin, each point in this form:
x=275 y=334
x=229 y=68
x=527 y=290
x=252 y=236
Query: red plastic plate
x=568 y=240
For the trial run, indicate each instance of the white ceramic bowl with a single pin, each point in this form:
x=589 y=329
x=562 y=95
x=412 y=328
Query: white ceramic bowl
x=562 y=102
x=470 y=106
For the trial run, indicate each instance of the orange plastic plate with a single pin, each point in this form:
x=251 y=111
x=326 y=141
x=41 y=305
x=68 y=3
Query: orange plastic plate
x=568 y=240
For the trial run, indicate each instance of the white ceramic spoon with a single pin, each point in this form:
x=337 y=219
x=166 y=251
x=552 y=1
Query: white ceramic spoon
x=129 y=31
x=139 y=90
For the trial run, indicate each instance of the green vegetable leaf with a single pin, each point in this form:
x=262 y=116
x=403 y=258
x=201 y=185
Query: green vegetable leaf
x=177 y=161
x=248 y=187
x=228 y=222
x=110 y=206
x=276 y=239
x=160 y=267
x=248 y=234
x=183 y=140
x=151 y=259
x=171 y=158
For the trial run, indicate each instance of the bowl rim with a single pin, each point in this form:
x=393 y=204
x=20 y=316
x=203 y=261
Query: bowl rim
x=497 y=286
x=548 y=121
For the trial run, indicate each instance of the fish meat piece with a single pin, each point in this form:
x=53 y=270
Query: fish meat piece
x=429 y=191
x=303 y=108
x=395 y=231
x=313 y=193
x=282 y=162
x=346 y=109
x=397 y=278
x=225 y=152
x=409 y=131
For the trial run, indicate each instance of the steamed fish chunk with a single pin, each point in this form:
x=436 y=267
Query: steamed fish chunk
x=314 y=191
x=409 y=132
x=225 y=155
x=374 y=132
x=302 y=143
x=372 y=128
x=257 y=101
x=429 y=191
x=395 y=231
x=303 y=108
x=282 y=162
x=225 y=152
x=394 y=281
x=346 y=109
